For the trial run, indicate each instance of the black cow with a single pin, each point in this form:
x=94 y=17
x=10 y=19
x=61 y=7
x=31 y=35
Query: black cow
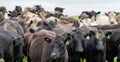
x=6 y=46
x=95 y=47
x=94 y=44
x=75 y=45
x=112 y=44
x=13 y=13
x=17 y=32
x=18 y=9
x=88 y=14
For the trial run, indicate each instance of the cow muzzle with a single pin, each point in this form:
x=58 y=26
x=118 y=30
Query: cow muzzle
x=100 y=46
x=79 y=50
x=54 y=55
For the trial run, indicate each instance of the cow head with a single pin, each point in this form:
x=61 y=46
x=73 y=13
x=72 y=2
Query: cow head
x=59 y=9
x=13 y=13
x=58 y=46
x=112 y=17
x=100 y=36
x=46 y=24
x=42 y=13
x=18 y=8
x=96 y=39
x=3 y=9
x=78 y=40
x=108 y=35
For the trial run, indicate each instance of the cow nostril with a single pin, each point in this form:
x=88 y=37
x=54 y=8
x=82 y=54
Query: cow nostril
x=112 y=22
x=100 y=48
x=54 y=55
x=79 y=50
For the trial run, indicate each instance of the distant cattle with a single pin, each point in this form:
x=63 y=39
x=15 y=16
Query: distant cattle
x=18 y=8
x=88 y=14
x=112 y=17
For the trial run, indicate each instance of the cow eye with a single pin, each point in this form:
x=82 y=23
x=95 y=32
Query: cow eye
x=48 y=40
x=61 y=45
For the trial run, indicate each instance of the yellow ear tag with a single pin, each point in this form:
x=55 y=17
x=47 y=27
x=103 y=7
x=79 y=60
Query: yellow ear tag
x=88 y=37
x=67 y=43
x=108 y=37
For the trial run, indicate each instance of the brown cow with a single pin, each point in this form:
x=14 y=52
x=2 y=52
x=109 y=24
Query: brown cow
x=48 y=47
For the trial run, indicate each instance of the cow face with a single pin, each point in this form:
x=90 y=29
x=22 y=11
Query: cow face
x=59 y=9
x=42 y=13
x=46 y=24
x=18 y=8
x=13 y=14
x=97 y=39
x=58 y=46
x=100 y=36
x=112 y=17
x=77 y=41
x=3 y=9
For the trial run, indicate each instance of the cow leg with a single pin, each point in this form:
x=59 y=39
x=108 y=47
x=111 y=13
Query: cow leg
x=118 y=59
x=89 y=59
x=20 y=54
x=28 y=58
x=110 y=59
x=1 y=53
x=8 y=55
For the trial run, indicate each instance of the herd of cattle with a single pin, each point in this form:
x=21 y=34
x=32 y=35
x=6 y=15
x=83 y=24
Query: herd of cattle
x=44 y=36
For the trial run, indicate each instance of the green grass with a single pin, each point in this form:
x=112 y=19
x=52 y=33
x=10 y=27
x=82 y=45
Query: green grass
x=115 y=59
x=75 y=17
x=25 y=59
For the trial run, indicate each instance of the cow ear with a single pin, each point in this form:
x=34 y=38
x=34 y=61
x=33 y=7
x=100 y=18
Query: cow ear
x=47 y=39
x=56 y=21
x=10 y=11
x=32 y=30
x=106 y=14
x=31 y=22
x=9 y=15
x=45 y=24
x=18 y=14
x=92 y=32
x=98 y=12
x=67 y=37
x=76 y=24
x=87 y=36
x=108 y=35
